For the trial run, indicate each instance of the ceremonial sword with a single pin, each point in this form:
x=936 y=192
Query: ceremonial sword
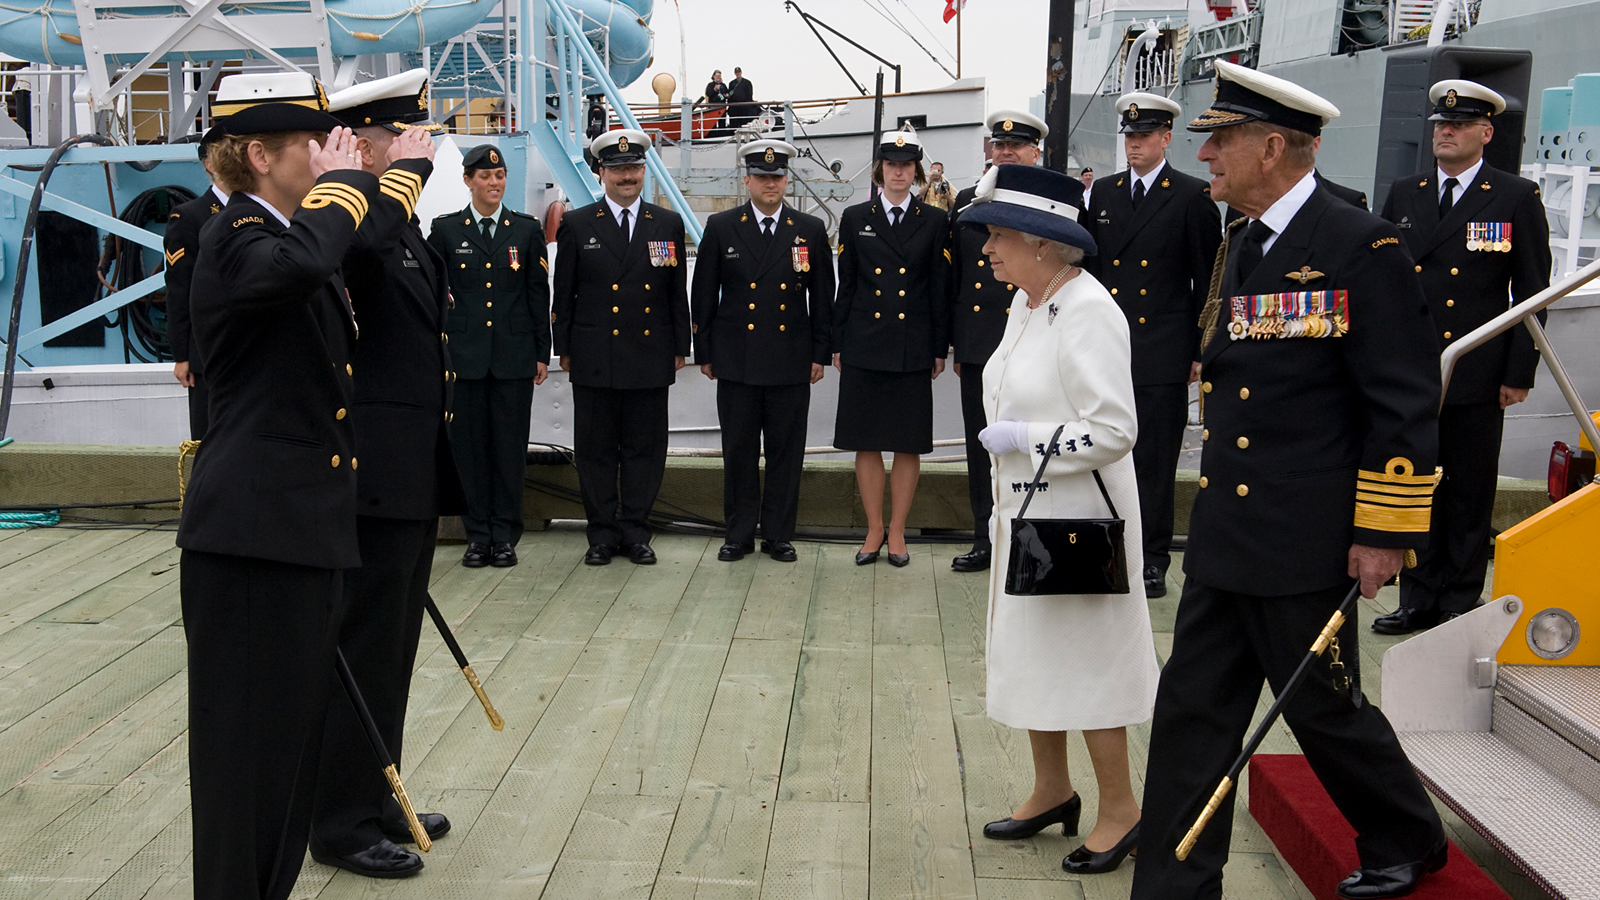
x=495 y=721
x=1324 y=638
x=390 y=771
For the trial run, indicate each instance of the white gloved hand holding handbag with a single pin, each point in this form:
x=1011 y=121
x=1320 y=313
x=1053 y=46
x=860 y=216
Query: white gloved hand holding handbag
x=1005 y=437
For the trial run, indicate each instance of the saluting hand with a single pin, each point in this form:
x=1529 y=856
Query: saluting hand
x=338 y=153
x=413 y=143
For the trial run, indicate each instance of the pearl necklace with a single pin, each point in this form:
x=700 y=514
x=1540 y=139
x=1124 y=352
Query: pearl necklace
x=1050 y=288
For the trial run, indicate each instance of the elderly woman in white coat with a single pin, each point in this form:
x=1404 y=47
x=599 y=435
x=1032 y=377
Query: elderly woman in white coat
x=1074 y=662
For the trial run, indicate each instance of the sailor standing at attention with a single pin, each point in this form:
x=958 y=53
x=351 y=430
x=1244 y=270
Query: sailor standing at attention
x=499 y=336
x=406 y=481
x=891 y=334
x=1319 y=311
x=979 y=309
x=1480 y=239
x=269 y=519
x=182 y=245
x=621 y=320
x=763 y=320
x=1158 y=232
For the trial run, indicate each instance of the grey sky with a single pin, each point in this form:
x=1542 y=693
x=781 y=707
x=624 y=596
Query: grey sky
x=1002 y=40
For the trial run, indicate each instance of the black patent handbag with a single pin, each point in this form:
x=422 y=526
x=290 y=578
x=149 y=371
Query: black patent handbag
x=1066 y=556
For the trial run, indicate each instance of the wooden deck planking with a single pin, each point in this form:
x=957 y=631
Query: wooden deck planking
x=695 y=729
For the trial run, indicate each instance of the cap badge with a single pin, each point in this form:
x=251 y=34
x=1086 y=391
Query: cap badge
x=494 y=157
x=1007 y=125
x=1133 y=112
x=900 y=141
x=769 y=157
x=422 y=98
x=622 y=145
x=1450 y=98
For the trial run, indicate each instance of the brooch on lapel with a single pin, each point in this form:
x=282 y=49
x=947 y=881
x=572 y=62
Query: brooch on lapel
x=1050 y=317
x=1305 y=274
x=1166 y=182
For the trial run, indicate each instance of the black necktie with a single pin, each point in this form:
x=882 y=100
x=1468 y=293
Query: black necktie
x=484 y=225
x=766 y=227
x=897 y=212
x=1448 y=198
x=1251 y=251
x=627 y=233
x=1138 y=193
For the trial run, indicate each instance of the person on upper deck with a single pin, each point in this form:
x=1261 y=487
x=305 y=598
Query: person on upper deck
x=1080 y=662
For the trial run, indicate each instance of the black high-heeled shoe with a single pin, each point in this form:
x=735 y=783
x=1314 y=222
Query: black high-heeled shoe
x=866 y=559
x=1009 y=829
x=900 y=560
x=1084 y=861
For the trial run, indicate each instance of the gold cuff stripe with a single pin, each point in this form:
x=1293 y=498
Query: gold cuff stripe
x=405 y=202
x=1397 y=490
x=1387 y=478
x=353 y=201
x=1388 y=518
x=409 y=182
x=1391 y=500
x=219 y=110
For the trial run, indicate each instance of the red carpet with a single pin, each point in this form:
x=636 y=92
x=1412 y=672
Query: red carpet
x=1300 y=818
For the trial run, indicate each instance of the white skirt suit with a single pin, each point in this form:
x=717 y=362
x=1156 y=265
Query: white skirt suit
x=1067 y=662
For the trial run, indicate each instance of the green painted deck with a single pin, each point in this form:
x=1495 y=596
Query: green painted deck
x=694 y=729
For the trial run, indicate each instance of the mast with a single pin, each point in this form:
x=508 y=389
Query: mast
x=959 y=5
x=1058 y=88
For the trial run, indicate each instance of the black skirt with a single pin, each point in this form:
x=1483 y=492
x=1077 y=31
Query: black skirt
x=884 y=411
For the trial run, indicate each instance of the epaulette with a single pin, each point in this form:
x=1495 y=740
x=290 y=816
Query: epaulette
x=530 y=217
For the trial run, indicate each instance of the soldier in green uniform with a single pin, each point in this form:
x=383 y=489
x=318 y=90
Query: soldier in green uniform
x=499 y=336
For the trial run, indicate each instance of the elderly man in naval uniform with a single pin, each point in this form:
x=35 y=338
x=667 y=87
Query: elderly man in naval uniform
x=1320 y=386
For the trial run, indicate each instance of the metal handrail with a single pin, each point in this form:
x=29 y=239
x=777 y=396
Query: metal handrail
x=1525 y=313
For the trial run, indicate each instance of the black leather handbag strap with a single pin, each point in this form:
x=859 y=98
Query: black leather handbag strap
x=1034 y=485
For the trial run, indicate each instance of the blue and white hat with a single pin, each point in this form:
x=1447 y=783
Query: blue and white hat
x=1033 y=200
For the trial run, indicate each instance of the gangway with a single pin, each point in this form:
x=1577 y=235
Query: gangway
x=1499 y=709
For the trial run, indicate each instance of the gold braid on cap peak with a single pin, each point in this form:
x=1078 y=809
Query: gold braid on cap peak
x=1394 y=499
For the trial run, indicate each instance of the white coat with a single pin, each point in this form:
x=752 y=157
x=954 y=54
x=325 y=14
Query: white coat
x=1067 y=662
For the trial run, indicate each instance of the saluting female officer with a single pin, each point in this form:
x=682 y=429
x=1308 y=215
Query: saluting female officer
x=891 y=325
x=269 y=520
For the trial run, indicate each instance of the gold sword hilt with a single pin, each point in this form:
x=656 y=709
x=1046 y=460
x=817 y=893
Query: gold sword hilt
x=1212 y=805
x=497 y=723
x=417 y=831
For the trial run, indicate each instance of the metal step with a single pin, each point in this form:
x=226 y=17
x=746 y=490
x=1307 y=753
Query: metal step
x=1549 y=750
x=1564 y=698
x=1540 y=823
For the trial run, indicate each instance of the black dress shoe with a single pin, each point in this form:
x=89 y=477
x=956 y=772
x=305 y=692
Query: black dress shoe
x=1394 y=881
x=1155 y=582
x=900 y=560
x=434 y=824
x=381 y=860
x=974 y=560
x=732 y=552
x=866 y=559
x=476 y=557
x=641 y=554
x=1084 y=861
x=1009 y=829
x=782 y=551
x=598 y=555
x=502 y=555
x=1404 y=621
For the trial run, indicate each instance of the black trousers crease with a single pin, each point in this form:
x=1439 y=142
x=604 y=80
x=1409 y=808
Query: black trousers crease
x=747 y=413
x=620 y=442
x=1224 y=646
x=260 y=649
x=385 y=602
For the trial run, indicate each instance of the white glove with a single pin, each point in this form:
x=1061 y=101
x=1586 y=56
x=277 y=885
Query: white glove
x=1004 y=437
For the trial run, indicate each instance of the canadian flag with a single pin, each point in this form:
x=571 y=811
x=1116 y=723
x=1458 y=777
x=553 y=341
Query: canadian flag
x=950 y=8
